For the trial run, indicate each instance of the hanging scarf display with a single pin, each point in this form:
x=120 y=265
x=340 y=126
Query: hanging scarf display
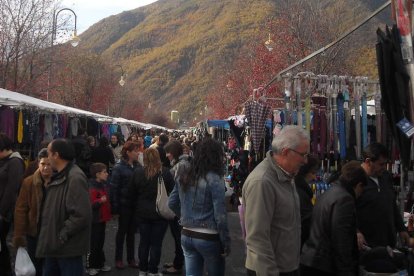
x=256 y=114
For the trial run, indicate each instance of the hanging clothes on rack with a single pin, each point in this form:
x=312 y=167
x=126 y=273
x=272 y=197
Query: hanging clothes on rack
x=256 y=114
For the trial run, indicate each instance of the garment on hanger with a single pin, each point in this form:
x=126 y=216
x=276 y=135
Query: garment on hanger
x=20 y=127
x=63 y=125
x=341 y=126
x=323 y=132
x=74 y=126
x=92 y=127
x=7 y=122
x=48 y=127
x=256 y=114
x=307 y=114
x=315 y=131
x=364 y=123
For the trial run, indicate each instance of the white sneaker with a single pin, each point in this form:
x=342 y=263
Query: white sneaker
x=106 y=268
x=155 y=274
x=142 y=273
x=93 y=271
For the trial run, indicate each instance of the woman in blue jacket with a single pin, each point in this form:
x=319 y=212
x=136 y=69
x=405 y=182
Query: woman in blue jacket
x=121 y=174
x=199 y=198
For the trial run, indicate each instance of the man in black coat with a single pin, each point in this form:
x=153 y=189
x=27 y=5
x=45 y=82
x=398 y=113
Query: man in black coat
x=332 y=245
x=378 y=216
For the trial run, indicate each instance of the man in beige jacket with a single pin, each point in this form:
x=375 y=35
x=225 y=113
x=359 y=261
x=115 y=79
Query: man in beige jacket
x=272 y=211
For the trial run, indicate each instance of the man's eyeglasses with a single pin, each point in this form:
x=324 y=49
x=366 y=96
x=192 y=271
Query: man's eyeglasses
x=304 y=155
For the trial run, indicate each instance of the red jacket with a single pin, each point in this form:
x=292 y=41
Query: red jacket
x=101 y=211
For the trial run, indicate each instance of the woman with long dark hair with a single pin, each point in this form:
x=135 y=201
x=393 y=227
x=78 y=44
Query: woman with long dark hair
x=199 y=196
x=142 y=193
x=121 y=174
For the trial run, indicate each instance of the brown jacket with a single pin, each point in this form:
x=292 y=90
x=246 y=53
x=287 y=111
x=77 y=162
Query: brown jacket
x=27 y=211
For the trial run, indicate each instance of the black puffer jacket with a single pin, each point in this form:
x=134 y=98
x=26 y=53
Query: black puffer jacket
x=121 y=175
x=332 y=244
x=142 y=193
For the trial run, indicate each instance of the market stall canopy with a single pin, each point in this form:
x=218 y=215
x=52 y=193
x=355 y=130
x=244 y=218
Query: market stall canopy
x=14 y=99
x=123 y=121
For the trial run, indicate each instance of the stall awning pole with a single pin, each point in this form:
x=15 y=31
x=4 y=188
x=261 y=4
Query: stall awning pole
x=321 y=50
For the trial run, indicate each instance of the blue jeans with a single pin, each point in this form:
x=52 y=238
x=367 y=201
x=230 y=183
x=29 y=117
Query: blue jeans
x=152 y=233
x=198 y=252
x=72 y=266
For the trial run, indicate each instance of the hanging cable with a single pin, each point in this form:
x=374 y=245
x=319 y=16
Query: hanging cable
x=350 y=31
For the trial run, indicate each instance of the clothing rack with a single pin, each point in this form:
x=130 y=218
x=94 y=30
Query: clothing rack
x=301 y=88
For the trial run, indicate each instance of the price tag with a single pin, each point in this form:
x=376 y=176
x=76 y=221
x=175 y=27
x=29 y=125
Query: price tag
x=406 y=127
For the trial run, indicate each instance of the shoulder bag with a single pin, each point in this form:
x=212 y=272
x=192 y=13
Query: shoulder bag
x=162 y=201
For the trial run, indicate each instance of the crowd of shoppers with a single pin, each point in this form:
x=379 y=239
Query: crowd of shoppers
x=60 y=216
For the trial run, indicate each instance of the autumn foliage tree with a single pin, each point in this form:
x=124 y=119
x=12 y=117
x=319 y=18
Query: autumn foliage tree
x=298 y=28
x=25 y=27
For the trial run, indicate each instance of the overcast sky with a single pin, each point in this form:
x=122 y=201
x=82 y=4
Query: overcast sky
x=91 y=11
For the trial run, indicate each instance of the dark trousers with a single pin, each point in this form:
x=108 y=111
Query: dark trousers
x=72 y=266
x=126 y=228
x=5 y=266
x=293 y=273
x=97 y=256
x=31 y=249
x=310 y=271
x=152 y=233
x=175 y=228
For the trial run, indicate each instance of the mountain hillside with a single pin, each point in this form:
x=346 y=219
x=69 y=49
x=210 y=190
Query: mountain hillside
x=174 y=50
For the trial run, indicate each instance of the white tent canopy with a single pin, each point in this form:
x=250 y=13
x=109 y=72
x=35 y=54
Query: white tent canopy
x=17 y=100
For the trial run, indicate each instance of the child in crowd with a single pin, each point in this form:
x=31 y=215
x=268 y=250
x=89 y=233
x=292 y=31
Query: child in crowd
x=101 y=211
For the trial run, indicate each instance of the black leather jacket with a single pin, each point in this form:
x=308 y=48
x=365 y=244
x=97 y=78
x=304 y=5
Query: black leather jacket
x=332 y=245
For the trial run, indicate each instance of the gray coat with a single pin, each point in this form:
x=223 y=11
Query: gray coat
x=66 y=216
x=272 y=220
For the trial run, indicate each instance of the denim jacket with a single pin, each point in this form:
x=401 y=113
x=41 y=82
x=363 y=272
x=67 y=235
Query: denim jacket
x=178 y=167
x=203 y=206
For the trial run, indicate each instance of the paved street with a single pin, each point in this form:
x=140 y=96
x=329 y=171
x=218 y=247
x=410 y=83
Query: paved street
x=234 y=263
